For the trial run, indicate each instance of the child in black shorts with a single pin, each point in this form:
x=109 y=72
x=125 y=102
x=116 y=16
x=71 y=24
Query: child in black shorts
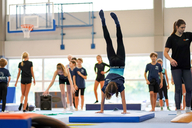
x=4 y=83
x=155 y=70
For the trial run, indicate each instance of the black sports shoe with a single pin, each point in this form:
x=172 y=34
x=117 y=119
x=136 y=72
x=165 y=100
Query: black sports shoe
x=27 y=107
x=96 y=101
x=20 y=106
x=24 y=110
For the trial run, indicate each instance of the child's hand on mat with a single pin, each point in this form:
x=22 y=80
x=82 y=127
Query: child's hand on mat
x=46 y=93
x=125 y=113
x=78 y=72
x=99 y=112
x=102 y=72
x=148 y=82
x=173 y=63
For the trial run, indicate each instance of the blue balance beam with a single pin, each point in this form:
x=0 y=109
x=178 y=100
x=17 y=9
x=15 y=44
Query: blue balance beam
x=113 y=106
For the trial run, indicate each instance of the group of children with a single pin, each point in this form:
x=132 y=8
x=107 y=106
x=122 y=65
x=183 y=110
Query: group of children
x=74 y=75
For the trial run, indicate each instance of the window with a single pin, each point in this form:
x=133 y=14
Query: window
x=136 y=89
x=177 y=3
x=101 y=4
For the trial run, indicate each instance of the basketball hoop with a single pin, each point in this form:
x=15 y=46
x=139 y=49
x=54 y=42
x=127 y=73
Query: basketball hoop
x=27 y=28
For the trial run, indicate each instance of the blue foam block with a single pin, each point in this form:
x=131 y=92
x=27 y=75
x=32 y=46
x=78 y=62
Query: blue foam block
x=114 y=117
x=15 y=123
x=113 y=106
x=10 y=95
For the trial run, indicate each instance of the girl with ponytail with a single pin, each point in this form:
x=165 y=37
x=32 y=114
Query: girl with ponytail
x=64 y=79
x=180 y=41
x=26 y=70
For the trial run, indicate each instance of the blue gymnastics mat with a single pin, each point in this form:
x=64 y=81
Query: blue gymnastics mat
x=112 y=117
x=129 y=106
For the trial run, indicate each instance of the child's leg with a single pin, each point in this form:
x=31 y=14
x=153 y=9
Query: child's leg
x=154 y=100
x=62 y=88
x=69 y=94
x=151 y=99
x=110 y=49
x=76 y=99
x=160 y=98
x=120 y=46
x=4 y=94
x=23 y=86
x=82 y=98
x=95 y=89
x=27 y=89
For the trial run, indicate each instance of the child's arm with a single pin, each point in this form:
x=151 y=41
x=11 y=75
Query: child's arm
x=102 y=102
x=19 y=71
x=9 y=79
x=70 y=81
x=145 y=75
x=167 y=79
x=52 y=81
x=32 y=73
x=161 y=75
x=74 y=81
x=172 y=82
x=79 y=73
x=124 y=103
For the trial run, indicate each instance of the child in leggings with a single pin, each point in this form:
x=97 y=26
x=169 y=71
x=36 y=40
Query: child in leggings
x=114 y=80
x=165 y=87
x=64 y=79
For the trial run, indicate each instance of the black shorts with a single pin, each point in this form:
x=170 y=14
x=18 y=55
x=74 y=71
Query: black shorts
x=26 y=80
x=64 y=81
x=82 y=92
x=154 y=86
x=100 y=78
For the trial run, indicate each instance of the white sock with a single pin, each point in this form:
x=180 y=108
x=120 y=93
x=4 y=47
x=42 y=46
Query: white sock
x=178 y=112
x=188 y=109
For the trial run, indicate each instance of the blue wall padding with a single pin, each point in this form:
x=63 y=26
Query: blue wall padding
x=103 y=119
x=10 y=95
x=113 y=106
x=15 y=123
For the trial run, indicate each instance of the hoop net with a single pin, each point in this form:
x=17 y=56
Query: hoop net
x=26 y=28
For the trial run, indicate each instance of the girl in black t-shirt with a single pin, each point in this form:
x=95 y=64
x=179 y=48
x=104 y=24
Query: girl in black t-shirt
x=26 y=70
x=180 y=42
x=64 y=79
x=99 y=70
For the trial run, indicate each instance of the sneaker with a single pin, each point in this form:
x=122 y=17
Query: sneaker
x=168 y=109
x=161 y=108
x=178 y=112
x=71 y=109
x=24 y=110
x=188 y=109
x=20 y=106
x=65 y=110
x=96 y=101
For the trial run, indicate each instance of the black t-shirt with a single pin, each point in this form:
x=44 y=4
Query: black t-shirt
x=26 y=69
x=180 y=49
x=100 y=67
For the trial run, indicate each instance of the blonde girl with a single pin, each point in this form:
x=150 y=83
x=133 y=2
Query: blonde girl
x=26 y=71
